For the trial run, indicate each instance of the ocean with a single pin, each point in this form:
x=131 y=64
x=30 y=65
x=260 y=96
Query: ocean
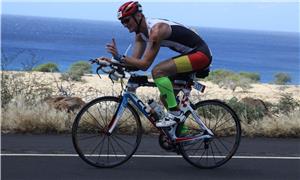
x=27 y=40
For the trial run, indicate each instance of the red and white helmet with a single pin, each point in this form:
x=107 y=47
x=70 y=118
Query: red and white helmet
x=129 y=8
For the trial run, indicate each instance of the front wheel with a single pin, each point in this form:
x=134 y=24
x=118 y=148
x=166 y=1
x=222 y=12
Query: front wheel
x=217 y=150
x=90 y=134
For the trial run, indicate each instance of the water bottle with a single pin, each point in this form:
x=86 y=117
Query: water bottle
x=157 y=109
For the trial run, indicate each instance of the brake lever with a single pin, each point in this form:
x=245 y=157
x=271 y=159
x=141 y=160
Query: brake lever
x=97 y=70
x=92 y=61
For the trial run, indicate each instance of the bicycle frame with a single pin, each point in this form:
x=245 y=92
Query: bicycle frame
x=130 y=96
x=96 y=142
x=124 y=101
x=201 y=124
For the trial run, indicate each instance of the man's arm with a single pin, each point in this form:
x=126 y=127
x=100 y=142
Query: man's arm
x=139 y=47
x=158 y=33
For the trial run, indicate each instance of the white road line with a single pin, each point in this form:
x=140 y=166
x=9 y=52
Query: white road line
x=156 y=156
x=267 y=157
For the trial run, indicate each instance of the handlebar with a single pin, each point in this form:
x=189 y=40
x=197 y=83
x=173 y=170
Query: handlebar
x=114 y=69
x=117 y=70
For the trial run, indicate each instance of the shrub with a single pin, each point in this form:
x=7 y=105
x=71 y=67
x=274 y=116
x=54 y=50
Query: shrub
x=82 y=67
x=286 y=104
x=247 y=113
x=229 y=79
x=77 y=70
x=282 y=78
x=48 y=67
x=219 y=75
x=73 y=76
x=6 y=94
x=253 y=76
x=29 y=84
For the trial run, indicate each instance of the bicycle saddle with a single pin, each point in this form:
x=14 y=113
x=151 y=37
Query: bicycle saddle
x=190 y=75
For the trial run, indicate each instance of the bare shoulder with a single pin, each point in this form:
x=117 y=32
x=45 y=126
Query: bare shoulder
x=160 y=31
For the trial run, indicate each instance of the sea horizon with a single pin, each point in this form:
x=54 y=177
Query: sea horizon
x=64 y=41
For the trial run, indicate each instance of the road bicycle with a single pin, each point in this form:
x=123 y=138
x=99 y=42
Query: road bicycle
x=107 y=131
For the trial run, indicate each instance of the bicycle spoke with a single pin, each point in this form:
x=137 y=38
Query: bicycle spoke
x=107 y=156
x=86 y=120
x=217 y=148
x=190 y=149
x=201 y=156
x=223 y=130
x=112 y=112
x=223 y=144
x=219 y=120
x=119 y=145
x=93 y=117
x=101 y=115
x=123 y=140
x=100 y=150
x=114 y=151
x=204 y=117
x=207 y=156
x=223 y=122
x=126 y=119
x=111 y=149
x=199 y=148
x=212 y=152
x=88 y=137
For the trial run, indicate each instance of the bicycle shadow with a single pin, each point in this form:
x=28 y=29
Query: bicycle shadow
x=175 y=168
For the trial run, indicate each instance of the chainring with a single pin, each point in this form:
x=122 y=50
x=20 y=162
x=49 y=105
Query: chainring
x=165 y=143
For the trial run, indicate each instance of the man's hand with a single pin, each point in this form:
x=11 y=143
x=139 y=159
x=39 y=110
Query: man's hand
x=112 y=49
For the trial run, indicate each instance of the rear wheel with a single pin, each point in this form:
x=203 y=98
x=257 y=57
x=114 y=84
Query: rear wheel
x=210 y=152
x=94 y=144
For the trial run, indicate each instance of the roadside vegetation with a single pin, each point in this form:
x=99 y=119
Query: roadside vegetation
x=282 y=78
x=76 y=71
x=48 y=67
x=281 y=119
x=231 y=80
x=24 y=109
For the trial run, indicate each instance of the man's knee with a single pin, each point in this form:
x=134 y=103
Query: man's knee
x=157 y=72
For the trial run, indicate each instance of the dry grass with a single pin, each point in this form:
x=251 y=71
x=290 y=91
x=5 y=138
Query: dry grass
x=18 y=116
x=40 y=118
x=37 y=117
x=276 y=126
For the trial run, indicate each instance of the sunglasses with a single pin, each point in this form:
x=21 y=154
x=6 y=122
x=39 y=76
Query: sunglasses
x=125 y=20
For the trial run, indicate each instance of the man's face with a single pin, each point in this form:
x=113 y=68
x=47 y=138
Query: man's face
x=129 y=23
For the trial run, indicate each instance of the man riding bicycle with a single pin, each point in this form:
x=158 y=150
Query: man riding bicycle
x=151 y=34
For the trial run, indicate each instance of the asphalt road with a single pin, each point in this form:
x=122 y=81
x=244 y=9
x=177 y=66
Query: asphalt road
x=53 y=157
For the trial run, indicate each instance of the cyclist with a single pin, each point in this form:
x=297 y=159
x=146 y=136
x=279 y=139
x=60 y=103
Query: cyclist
x=150 y=35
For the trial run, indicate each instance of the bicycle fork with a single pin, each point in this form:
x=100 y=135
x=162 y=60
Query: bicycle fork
x=122 y=105
x=120 y=110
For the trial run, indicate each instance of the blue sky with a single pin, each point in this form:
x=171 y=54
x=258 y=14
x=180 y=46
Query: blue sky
x=235 y=14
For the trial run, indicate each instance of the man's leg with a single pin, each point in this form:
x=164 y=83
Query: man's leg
x=160 y=74
x=180 y=64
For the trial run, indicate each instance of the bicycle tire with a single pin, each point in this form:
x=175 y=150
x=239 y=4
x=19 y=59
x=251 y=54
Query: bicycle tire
x=92 y=142
x=213 y=152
